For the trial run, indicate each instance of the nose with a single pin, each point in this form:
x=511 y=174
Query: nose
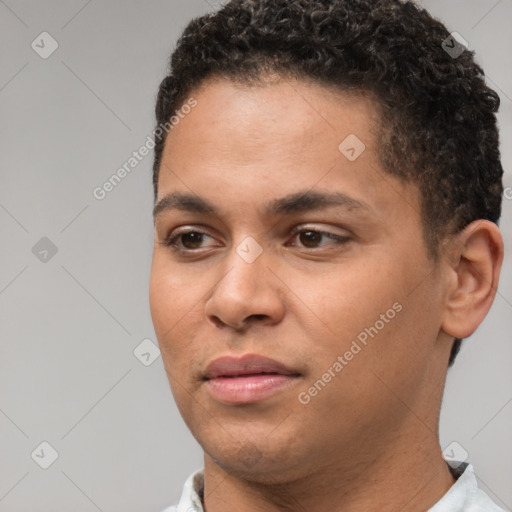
x=248 y=293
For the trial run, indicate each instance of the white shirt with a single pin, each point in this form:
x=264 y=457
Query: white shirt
x=463 y=496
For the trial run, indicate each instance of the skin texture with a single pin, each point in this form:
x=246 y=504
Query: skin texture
x=369 y=439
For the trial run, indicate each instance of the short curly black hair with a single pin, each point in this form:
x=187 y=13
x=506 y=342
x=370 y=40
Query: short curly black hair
x=438 y=123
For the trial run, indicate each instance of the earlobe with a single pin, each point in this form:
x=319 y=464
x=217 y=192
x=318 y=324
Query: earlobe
x=477 y=253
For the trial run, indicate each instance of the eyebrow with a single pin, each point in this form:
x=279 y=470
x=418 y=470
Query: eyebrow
x=297 y=202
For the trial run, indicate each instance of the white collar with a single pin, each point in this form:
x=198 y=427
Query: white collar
x=463 y=496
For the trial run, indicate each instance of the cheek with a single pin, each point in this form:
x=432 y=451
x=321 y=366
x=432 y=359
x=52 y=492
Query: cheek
x=350 y=296
x=361 y=307
x=167 y=296
x=175 y=302
x=167 y=308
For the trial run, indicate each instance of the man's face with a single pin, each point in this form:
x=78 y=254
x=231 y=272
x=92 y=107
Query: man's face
x=370 y=300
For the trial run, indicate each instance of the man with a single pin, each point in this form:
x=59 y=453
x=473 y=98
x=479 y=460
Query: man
x=326 y=207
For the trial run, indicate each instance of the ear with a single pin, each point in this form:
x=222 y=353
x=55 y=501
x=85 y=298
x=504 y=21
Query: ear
x=476 y=256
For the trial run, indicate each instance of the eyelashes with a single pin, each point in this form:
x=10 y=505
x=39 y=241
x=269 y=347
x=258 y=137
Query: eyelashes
x=308 y=238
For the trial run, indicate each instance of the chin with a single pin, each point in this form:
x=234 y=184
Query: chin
x=266 y=464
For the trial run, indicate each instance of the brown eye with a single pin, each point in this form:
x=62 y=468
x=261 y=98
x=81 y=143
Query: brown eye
x=184 y=241
x=191 y=240
x=310 y=238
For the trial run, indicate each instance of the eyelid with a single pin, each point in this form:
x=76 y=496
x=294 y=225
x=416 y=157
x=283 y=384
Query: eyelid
x=172 y=240
x=319 y=229
x=183 y=230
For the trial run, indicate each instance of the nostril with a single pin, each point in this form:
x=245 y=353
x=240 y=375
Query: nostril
x=257 y=317
x=217 y=321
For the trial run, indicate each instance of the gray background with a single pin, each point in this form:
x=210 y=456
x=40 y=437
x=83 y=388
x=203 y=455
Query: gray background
x=69 y=325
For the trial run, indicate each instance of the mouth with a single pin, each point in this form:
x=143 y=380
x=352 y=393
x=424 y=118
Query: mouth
x=247 y=379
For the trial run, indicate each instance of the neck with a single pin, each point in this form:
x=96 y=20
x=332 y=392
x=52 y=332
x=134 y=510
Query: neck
x=411 y=477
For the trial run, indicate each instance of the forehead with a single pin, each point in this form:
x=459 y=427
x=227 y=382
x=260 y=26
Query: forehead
x=278 y=123
x=297 y=112
x=249 y=143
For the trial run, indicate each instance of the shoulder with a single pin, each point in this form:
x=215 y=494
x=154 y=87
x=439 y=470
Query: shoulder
x=466 y=496
x=191 y=496
x=479 y=501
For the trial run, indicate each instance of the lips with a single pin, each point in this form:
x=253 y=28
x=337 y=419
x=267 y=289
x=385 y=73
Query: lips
x=248 y=379
x=229 y=366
